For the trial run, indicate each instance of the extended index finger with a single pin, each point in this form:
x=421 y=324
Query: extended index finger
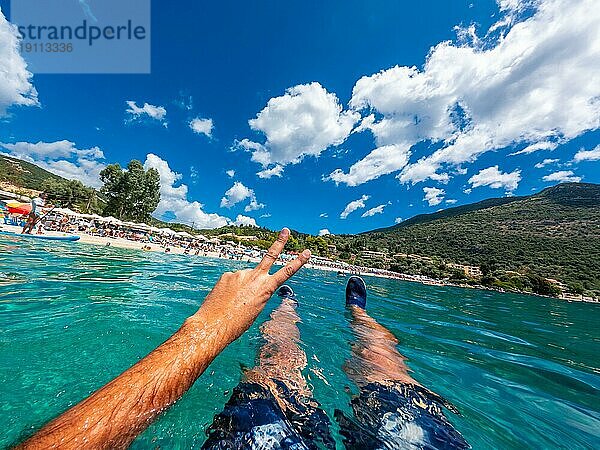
x=274 y=251
x=286 y=272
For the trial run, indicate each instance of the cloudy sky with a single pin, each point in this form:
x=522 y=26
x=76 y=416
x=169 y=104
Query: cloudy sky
x=327 y=116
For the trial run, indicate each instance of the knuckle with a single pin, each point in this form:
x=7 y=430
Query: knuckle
x=289 y=271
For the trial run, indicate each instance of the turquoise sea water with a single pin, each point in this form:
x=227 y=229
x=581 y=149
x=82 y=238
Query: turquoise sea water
x=523 y=371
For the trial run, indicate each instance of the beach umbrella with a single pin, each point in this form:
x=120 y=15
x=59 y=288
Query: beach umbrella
x=110 y=219
x=142 y=226
x=15 y=207
x=167 y=231
x=201 y=237
x=67 y=212
x=184 y=234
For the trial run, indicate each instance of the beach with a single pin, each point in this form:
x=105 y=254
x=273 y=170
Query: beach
x=315 y=263
x=118 y=242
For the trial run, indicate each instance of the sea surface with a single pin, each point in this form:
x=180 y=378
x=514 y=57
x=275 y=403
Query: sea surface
x=523 y=371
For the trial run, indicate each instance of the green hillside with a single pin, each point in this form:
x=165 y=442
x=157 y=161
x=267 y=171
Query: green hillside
x=450 y=212
x=555 y=234
x=25 y=177
x=24 y=174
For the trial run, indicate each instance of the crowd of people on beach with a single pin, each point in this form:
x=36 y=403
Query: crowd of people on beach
x=169 y=241
x=111 y=230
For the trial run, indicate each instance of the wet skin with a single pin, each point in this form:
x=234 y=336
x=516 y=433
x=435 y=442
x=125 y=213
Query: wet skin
x=114 y=415
x=280 y=358
x=375 y=358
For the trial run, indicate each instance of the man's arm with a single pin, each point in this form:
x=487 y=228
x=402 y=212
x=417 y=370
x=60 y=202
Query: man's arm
x=115 y=414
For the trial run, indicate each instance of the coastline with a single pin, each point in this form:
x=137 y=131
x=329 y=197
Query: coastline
x=362 y=271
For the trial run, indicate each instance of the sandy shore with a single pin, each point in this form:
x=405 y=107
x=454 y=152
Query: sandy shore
x=110 y=241
x=132 y=245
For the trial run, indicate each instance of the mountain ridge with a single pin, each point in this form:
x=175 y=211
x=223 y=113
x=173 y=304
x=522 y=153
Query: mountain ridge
x=24 y=174
x=483 y=204
x=554 y=233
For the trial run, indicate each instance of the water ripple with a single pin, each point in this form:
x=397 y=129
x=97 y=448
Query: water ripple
x=523 y=371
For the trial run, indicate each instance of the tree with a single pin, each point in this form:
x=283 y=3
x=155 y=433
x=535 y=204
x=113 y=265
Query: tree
x=68 y=193
x=132 y=194
x=293 y=245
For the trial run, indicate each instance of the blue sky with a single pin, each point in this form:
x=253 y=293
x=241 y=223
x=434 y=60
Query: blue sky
x=362 y=113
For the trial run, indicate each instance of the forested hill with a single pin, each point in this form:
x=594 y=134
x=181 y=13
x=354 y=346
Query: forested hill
x=24 y=174
x=449 y=212
x=555 y=233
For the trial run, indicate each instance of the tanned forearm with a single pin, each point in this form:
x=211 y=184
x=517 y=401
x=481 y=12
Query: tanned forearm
x=114 y=415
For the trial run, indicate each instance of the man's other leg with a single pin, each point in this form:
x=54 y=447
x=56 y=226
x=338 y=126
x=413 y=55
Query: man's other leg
x=392 y=410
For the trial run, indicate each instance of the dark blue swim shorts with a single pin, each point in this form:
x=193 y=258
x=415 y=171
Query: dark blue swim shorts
x=252 y=419
x=399 y=416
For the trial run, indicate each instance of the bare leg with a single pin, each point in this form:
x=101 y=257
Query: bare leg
x=274 y=402
x=392 y=410
x=28 y=225
x=280 y=358
x=375 y=358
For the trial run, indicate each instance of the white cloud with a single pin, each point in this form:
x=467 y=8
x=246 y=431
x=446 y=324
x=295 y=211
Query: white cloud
x=85 y=170
x=562 y=176
x=324 y=232
x=353 y=206
x=193 y=174
x=238 y=193
x=303 y=122
x=323 y=215
x=398 y=220
x=230 y=173
x=62 y=158
x=371 y=212
x=158 y=113
x=245 y=220
x=381 y=161
x=53 y=150
x=451 y=201
x=546 y=162
x=265 y=216
x=587 y=155
x=496 y=179
x=275 y=171
x=202 y=126
x=533 y=80
x=253 y=205
x=15 y=80
x=173 y=199
x=433 y=196
x=536 y=148
x=422 y=170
